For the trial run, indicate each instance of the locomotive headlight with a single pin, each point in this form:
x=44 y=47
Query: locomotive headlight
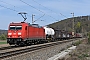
x=19 y=33
x=9 y=33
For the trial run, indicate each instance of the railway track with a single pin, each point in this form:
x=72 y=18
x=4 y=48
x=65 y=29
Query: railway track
x=8 y=47
x=30 y=48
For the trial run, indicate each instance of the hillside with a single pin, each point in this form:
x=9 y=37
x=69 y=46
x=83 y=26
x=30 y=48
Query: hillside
x=81 y=24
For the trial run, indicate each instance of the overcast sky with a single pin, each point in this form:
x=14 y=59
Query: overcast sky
x=45 y=11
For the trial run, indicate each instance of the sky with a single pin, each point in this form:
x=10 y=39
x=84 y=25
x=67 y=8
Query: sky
x=45 y=11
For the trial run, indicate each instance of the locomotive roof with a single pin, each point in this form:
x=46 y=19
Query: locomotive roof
x=36 y=25
x=17 y=23
x=20 y=23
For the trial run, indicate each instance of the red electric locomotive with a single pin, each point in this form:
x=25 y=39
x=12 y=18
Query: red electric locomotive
x=25 y=33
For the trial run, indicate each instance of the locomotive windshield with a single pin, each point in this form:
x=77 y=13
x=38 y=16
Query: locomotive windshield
x=15 y=27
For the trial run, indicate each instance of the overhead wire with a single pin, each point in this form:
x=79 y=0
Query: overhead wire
x=7 y=3
x=13 y=6
x=36 y=8
x=9 y=8
x=25 y=3
x=48 y=8
x=30 y=6
x=40 y=17
x=16 y=7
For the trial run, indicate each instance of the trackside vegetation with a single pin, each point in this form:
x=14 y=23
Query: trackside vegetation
x=89 y=37
x=3 y=37
x=3 y=42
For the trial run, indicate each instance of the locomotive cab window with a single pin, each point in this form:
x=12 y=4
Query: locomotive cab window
x=12 y=27
x=18 y=27
x=15 y=27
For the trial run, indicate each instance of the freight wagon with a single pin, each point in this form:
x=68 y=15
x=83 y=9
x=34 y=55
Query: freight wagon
x=61 y=34
x=26 y=34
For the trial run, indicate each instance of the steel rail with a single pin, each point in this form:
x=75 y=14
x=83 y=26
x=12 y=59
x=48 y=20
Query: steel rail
x=21 y=51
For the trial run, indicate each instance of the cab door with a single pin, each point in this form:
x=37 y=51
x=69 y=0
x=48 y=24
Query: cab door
x=26 y=32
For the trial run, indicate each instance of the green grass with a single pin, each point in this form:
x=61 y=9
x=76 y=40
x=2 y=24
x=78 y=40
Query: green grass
x=3 y=43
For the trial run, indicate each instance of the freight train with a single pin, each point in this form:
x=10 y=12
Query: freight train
x=26 y=34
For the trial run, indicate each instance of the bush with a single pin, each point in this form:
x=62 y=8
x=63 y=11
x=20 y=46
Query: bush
x=77 y=43
x=3 y=37
x=83 y=55
x=89 y=37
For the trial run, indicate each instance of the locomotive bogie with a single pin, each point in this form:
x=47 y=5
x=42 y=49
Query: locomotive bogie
x=13 y=41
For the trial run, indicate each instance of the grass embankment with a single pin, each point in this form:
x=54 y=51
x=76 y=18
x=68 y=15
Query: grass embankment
x=3 y=42
x=82 y=52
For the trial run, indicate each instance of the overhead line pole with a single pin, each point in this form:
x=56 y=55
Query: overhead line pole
x=33 y=18
x=73 y=31
x=73 y=22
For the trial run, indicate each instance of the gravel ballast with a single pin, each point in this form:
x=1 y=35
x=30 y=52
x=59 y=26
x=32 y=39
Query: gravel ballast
x=42 y=54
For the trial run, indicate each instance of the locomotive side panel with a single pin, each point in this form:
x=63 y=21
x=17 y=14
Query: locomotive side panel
x=42 y=33
x=36 y=33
